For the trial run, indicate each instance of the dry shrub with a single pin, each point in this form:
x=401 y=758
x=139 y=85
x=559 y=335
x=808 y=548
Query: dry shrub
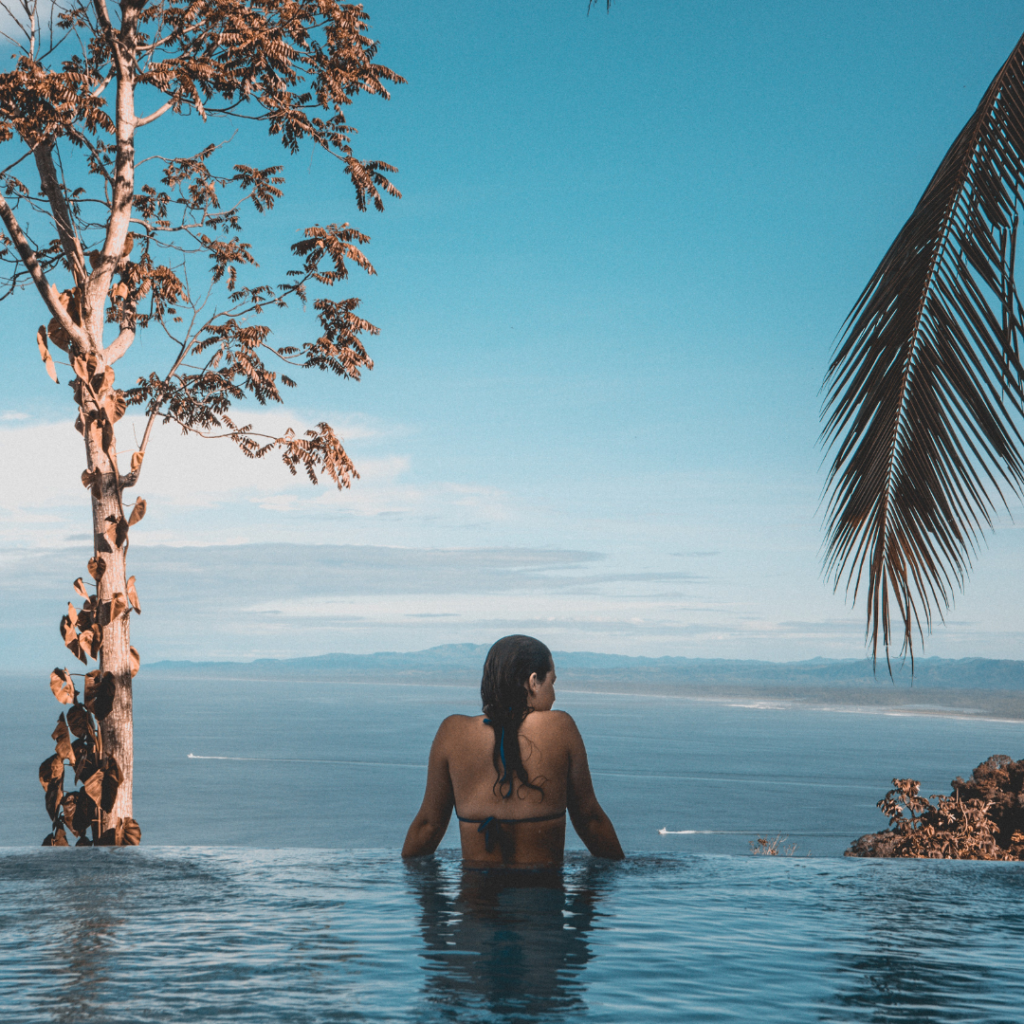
x=982 y=819
x=763 y=847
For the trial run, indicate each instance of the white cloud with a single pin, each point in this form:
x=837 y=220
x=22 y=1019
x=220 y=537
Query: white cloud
x=205 y=491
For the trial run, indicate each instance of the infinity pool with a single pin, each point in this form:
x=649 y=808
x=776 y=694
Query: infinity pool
x=226 y=934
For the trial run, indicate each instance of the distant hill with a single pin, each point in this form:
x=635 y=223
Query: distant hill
x=462 y=663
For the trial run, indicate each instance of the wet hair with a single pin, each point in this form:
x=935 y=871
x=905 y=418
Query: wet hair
x=509 y=665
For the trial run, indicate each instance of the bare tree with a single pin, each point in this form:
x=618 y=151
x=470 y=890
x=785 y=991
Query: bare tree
x=129 y=241
x=925 y=392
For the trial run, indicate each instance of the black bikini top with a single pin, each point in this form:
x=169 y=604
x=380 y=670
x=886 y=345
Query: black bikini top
x=491 y=826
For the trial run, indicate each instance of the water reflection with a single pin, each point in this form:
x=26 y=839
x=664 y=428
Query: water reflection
x=77 y=931
x=511 y=943
x=917 y=958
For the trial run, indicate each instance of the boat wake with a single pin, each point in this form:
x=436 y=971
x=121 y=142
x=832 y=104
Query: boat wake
x=307 y=760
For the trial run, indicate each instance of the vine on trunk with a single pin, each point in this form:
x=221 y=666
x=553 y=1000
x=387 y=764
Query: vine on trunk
x=128 y=235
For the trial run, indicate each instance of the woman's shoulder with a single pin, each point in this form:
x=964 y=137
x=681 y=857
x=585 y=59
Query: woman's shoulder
x=458 y=723
x=552 y=721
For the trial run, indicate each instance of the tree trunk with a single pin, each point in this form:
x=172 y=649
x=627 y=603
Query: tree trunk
x=115 y=650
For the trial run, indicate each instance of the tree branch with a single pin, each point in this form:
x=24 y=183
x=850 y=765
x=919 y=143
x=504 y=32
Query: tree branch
x=150 y=118
x=119 y=346
x=48 y=292
x=53 y=191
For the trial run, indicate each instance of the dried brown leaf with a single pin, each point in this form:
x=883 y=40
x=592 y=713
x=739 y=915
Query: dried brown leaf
x=58 y=837
x=137 y=512
x=79 y=587
x=129 y=831
x=54 y=795
x=114 y=406
x=63 y=740
x=93 y=786
x=133 y=661
x=117 y=606
x=78 y=718
x=96 y=568
x=111 y=784
x=102 y=382
x=50 y=771
x=99 y=694
x=44 y=354
x=63 y=688
x=137 y=458
x=133 y=595
x=79 y=811
x=86 y=764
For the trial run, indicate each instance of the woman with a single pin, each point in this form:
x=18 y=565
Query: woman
x=513 y=772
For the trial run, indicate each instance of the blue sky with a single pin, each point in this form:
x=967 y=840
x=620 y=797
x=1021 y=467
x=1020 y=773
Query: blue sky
x=607 y=299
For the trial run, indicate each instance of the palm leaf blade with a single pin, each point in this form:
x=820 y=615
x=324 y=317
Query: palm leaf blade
x=924 y=396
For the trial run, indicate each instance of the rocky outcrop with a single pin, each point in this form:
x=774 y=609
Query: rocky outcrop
x=982 y=819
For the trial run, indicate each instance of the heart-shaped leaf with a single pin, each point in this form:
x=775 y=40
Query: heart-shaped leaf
x=93 y=786
x=118 y=606
x=137 y=461
x=96 y=567
x=78 y=718
x=137 y=512
x=130 y=833
x=114 y=406
x=70 y=805
x=86 y=765
x=111 y=784
x=44 y=354
x=83 y=813
x=133 y=661
x=133 y=594
x=109 y=838
x=99 y=694
x=58 y=837
x=63 y=740
x=50 y=771
x=63 y=688
x=102 y=381
x=54 y=796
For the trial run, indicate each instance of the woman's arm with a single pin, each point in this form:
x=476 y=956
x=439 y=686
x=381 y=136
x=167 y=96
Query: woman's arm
x=431 y=821
x=592 y=825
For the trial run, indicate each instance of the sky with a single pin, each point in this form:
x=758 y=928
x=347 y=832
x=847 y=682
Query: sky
x=607 y=299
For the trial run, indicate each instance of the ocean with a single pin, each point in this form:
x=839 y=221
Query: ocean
x=269 y=887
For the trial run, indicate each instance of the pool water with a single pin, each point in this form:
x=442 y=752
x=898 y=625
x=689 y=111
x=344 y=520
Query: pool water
x=269 y=888
x=200 y=934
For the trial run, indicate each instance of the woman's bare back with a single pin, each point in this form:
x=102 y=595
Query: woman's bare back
x=495 y=830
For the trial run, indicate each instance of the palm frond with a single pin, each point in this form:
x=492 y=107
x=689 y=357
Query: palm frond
x=925 y=392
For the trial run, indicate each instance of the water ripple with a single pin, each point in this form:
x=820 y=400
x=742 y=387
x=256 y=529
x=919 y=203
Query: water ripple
x=118 y=936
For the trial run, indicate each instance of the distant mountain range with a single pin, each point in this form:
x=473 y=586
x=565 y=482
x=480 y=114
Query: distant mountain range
x=462 y=664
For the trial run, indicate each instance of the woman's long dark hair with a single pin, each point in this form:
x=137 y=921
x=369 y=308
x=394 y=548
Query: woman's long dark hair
x=510 y=663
